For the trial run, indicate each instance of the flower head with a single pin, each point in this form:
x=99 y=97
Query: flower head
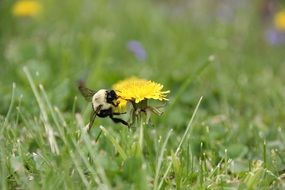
x=27 y=8
x=279 y=20
x=136 y=90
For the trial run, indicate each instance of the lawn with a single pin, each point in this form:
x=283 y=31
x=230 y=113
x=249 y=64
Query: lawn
x=222 y=127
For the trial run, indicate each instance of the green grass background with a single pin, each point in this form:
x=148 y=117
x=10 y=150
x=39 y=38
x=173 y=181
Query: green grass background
x=236 y=139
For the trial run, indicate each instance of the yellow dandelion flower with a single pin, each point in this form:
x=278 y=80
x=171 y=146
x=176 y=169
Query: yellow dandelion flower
x=136 y=90
x=279 y=20
x=25 y=8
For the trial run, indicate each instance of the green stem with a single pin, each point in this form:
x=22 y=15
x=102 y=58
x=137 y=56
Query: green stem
x=141 y=135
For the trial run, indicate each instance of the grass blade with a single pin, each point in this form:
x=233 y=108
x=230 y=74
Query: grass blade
x=160 y=158
x=10 y=106
x=48 y=128
x=181 y=142
x=115 y=143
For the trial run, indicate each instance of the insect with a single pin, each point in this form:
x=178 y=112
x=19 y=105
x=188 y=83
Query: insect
x=103 y=104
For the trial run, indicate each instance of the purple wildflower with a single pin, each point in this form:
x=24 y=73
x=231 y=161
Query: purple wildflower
x=137 y=49
x=274 y=37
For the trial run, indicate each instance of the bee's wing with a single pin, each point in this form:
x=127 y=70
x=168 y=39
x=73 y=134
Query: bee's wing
x=86 y=92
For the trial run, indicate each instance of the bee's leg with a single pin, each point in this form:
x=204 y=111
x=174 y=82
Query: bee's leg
x=115 y=113
x=93 y=116
x=92 y=119
x=118 y=120
x=114 y=104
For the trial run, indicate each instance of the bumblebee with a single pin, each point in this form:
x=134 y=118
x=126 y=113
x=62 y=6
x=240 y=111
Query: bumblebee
x=103 y=103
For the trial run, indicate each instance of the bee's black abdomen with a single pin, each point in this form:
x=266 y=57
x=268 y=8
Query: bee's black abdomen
x=105 y=113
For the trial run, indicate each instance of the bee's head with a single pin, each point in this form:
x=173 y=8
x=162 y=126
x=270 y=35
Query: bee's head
x=111 y=96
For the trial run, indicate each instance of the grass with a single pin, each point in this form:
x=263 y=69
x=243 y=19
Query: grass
x=233 y=138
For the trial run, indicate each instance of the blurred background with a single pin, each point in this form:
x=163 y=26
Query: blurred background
x=231 y=52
